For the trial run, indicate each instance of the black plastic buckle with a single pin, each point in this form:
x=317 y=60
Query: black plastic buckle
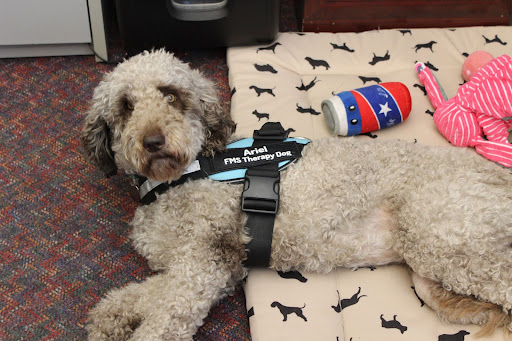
x=261 y=192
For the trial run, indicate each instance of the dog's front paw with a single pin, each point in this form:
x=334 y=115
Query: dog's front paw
x=113 y=318
x=158 y=309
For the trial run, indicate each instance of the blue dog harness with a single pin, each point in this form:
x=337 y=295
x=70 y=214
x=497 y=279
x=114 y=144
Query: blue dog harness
x=257 y=163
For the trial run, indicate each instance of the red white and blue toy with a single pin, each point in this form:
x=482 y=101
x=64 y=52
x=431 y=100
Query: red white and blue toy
x=367 y=109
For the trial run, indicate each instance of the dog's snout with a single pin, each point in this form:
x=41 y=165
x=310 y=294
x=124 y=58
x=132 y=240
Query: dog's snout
x=153 y=143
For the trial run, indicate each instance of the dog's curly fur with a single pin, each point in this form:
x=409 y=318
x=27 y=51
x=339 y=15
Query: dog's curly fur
x=445 y=212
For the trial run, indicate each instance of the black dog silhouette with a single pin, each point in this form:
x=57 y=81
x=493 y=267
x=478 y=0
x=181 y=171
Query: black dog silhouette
x=260 y=115
x=317 y=62
x=288 y=131
x=347 y=302
x=428 y=45
x=265 y=68
x=392 y=324
x=376 y=59
x=405 y=31
x=343 y=47
x=459 y=336
x=293 y=275
x=260 y=91
x=370 y=79
x=417 y=296
x=370 y=267
x=431 y=66
x=495 y=40
x=289 y=310
x=421 y=87
x=303 y=87
x=269 y=48
x=373 y=136
x=309 y=110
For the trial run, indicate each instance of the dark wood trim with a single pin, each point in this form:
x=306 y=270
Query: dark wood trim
x=363 y=15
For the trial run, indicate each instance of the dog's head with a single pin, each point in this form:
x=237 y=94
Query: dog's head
x=152 y=115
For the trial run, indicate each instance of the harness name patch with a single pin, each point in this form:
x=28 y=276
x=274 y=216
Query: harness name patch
x=235 y=158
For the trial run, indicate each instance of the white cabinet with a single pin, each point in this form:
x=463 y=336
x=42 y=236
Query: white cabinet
x=45 y=27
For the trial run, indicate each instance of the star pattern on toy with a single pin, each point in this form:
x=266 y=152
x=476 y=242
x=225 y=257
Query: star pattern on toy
x=384 y=109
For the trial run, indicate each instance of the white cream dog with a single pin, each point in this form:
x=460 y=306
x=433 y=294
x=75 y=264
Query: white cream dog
x=445 y=212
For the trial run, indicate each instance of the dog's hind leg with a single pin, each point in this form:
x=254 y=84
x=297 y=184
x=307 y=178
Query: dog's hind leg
x=455 y=308
x=461 y=233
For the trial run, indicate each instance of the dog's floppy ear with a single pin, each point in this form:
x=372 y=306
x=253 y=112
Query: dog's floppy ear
x=219 y=125
x=95 y=138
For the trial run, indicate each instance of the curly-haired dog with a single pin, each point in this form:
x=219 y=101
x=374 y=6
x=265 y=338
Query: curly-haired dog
x=445 y=212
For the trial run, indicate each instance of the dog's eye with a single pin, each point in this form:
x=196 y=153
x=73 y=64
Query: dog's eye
x=171 y=98
x=128 y=106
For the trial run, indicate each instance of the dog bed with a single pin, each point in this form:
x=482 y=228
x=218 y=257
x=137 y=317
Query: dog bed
x=287 y=81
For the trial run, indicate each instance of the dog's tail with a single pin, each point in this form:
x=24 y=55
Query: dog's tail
x=457 y=308
x=495 y=316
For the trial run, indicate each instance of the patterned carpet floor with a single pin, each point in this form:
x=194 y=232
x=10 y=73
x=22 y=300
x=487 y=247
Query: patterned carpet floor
x=63 y=226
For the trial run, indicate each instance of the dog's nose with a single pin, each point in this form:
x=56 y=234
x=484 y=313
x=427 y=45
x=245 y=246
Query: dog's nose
x=153 y=143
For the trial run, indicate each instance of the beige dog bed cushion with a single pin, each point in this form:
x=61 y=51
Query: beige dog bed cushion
x=287 y=82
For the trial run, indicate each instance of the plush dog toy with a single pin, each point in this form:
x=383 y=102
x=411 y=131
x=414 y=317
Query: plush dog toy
x=475 y=116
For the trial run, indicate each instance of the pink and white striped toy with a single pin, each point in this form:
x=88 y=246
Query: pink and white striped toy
x=476 y=115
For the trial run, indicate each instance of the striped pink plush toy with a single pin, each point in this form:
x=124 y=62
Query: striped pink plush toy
x=476 y=116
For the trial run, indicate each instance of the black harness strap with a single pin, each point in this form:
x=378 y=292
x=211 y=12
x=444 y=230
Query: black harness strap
x=260 y=198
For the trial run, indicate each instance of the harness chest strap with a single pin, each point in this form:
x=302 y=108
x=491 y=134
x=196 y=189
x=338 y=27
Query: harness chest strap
x=260 y=198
